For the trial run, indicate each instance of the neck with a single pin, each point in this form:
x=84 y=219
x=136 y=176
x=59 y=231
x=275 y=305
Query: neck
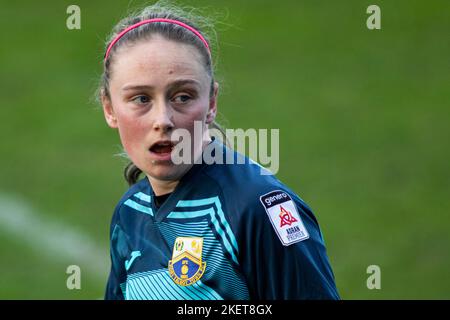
x=161 y=187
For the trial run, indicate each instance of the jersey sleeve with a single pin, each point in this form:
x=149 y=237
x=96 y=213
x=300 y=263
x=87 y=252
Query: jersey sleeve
x=282 y=252
x=115 y=288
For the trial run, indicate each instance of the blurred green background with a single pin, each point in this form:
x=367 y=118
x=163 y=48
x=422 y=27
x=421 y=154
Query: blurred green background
x=364 y=129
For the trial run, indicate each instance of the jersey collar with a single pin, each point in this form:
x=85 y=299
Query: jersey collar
x=184 y=187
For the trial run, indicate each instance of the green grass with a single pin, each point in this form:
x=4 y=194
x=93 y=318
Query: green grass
x=363 y=118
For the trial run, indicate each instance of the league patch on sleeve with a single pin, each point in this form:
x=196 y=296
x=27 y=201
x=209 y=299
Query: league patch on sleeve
x=284 y=217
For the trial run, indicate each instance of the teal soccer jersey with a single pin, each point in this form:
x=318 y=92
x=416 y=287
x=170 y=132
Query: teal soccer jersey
x=225 y=232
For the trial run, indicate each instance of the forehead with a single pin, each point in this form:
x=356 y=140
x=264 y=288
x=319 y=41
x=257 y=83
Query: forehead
x=157 y=61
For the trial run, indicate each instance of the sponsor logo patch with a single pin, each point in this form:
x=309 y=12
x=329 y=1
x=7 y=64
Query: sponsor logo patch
x=284 y=217
x=186 y=266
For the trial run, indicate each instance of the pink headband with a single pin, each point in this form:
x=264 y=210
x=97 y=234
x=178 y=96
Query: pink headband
x=120 y=35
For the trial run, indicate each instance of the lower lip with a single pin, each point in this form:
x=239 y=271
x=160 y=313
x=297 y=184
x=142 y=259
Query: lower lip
x=161 y=156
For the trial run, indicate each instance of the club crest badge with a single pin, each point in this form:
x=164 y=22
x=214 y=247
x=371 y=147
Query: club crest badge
x=186 y=266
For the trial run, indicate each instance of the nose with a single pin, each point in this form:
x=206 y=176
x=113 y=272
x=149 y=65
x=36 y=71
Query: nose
x=162 y=117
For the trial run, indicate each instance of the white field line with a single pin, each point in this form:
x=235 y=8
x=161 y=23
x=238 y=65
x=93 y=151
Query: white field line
x=53 y=240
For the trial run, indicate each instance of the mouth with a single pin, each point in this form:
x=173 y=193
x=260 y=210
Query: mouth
x=162 y=149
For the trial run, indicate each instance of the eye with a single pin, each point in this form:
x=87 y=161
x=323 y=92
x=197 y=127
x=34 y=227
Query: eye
x=141 y=99
x=182 y=98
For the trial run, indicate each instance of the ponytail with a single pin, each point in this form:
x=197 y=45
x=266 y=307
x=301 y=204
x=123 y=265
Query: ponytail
x=131 y=173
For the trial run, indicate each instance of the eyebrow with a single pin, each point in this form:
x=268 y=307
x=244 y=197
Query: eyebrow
x=175 y=84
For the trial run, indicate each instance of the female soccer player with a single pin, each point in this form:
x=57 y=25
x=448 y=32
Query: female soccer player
x=195 y=230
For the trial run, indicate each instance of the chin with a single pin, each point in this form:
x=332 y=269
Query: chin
x=166 y=172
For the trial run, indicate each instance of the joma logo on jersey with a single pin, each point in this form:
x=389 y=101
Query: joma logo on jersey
x=186 y=266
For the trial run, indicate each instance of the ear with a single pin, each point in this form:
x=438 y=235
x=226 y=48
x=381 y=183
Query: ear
x=212 y=111
x=108 y=111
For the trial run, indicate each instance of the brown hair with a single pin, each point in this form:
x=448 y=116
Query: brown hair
x=161 y=9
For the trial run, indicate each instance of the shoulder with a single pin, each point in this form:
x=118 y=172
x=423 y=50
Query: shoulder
x=246 y=185
x=133 y=190
x=254 y=197
x=139 y=186
x=240 y=182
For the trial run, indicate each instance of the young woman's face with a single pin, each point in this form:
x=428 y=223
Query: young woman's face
x=157 y=86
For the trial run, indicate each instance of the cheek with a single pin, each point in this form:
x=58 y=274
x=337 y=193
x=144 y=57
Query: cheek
x=196 y=113
x=132 y=132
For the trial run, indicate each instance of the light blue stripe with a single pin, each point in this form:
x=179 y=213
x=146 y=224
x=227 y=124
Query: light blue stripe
x=214 y=221
x=190 y=224
x=200 y=295
x=196 y=203
x=208 y=237
x=226 y=224
x=180 y=290
x=161 y=286
x=140 y=274
x=172 y=286
x=127 y=292
x=158 y=293
x=168 y=279
x=162 y=290
x=136 y=206
x=195 y=294
x=133 y=295
x=130 y=289
x=123 y=288
x=196 y=288
x=143 y=197
x=136 y=286
x=145 y=289
x=174 y=295
x=191 y=227
x=154 y=293
x=226 y=243
x=189 y=214
x=209 y=201
x=139 y=290
x=200 y=229
x=148 y=290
